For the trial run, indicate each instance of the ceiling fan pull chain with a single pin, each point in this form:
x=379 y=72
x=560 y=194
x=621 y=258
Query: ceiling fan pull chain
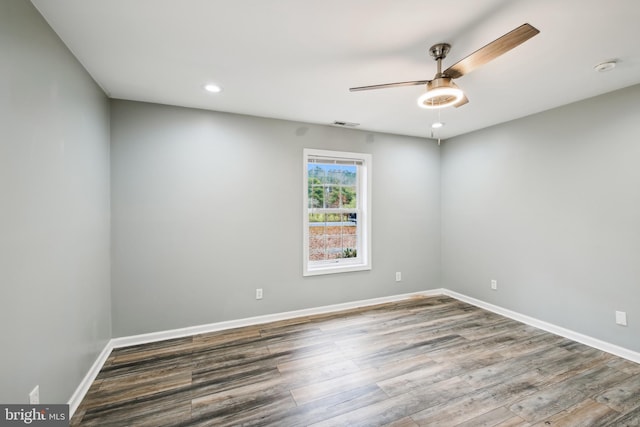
x=439 y=111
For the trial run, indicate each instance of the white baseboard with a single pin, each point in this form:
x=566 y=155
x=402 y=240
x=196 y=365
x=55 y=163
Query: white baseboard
x=257 y=320
x=549 y=327
x=89 y=378
x=83 y=388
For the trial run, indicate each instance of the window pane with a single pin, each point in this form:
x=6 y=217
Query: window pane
x=349 y=177
x=349 y=196
x=317 y=237
x=332 y=196
x=316 y=217
x=317 y=248
x=334 y=174
x=316 y=194
x=317 y=172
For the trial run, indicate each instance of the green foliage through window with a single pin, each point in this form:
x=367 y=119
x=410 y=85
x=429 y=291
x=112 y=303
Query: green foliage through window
x=332 y=186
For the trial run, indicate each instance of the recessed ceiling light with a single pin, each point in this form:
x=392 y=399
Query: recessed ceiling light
x=437 y=125
x=213 y=88
x=605 y=66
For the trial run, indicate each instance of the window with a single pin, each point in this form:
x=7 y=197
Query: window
x=337 y=205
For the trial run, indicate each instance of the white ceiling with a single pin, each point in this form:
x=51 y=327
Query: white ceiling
x=296 y=59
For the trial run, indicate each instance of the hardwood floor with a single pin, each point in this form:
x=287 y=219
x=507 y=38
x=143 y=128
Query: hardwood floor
x=425 y=361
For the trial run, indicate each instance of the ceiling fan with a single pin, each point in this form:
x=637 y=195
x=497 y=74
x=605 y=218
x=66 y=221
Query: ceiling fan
x=442 y=91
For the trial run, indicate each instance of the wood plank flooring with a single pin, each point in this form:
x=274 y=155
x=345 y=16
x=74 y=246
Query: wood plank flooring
x=421 y=362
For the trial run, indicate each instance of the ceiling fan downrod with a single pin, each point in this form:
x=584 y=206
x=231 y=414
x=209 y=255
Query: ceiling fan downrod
x=439 y=52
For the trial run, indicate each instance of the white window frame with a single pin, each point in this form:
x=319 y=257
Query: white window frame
x=363 y=259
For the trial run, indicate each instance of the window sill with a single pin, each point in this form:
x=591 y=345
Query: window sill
x=332 y=269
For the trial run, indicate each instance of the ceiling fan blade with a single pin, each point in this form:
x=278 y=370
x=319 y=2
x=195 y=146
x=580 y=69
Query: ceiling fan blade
x=463 y=101
x=491 y=51
x=388 y=85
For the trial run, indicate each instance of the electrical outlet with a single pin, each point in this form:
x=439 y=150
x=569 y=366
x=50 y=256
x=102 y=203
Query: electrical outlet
x=494 y=285
x=621 y=318
x=34 y=396
x=259 y=293
x=398 y=276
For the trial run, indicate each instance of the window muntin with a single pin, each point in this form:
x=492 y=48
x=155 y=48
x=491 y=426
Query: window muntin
x=336 y=225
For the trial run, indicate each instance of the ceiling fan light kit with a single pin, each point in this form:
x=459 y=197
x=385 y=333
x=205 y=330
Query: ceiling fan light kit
x=441 y=93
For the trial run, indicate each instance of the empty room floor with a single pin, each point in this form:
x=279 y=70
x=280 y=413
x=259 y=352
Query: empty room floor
x=423 y=361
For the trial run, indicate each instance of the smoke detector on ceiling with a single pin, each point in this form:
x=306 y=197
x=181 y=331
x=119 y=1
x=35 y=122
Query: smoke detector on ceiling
x=345 y=124
x=605 y=66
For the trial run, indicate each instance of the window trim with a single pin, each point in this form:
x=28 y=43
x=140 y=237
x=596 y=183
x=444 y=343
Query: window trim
x=364 y=219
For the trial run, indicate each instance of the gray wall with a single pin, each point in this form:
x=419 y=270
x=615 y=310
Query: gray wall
x=54 y=212
x=549 y=206
x=206 y=207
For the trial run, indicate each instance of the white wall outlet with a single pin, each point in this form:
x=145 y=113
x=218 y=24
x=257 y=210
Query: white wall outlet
x=621 y=318
x=34 y=396
x=398 y=276
x=259 y=293
x=494 y=285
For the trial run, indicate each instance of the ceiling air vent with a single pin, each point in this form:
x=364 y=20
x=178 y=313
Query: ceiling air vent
x=345 y=124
